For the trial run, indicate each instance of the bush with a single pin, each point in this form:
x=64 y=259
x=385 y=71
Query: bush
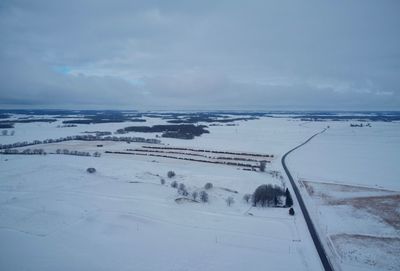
x=162 y=181
x=229 y=201
x=208 y=186
x=247 y=197
x=291 y=211
x=203 y=196
x=171 y=174
x=91 y=170
x=174 y=184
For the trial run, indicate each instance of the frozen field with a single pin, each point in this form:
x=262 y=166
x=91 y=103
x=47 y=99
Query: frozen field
x=350 y=178
x=55 y=215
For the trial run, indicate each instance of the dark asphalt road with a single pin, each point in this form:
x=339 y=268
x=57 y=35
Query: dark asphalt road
x=314 y=235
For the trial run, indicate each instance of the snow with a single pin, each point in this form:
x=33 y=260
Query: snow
x=55 y=215
x=366 y=156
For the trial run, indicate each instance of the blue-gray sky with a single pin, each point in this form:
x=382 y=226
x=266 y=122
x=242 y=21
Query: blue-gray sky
x=200 y=54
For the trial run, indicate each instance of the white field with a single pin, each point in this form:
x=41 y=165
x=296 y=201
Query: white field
x=368 y=159
x=54 y=215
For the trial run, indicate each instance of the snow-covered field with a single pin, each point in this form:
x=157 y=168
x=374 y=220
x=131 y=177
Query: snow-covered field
x=350 y=180
x=56 y=216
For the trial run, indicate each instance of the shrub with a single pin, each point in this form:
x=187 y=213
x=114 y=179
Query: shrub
x=229 y=201
x=291 y=211
x=162 y=181
x=174 y=184
x=91 y=170
x=208 y=186
x=247 y=197
x=171 y=174
x=203 y=196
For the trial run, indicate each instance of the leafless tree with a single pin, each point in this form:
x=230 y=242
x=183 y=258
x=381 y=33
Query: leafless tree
x=229 y=201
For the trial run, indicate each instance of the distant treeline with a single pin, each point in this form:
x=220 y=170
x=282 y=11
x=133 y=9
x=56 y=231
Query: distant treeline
x=81 y=138
x=183 y=131
x=384 y=118
x=8 y=124
x=209 y=119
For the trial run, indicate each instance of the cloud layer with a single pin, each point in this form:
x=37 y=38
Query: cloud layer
x=200 y=55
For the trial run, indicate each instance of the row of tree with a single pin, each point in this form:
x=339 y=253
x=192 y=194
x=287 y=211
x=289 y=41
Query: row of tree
x=81 y=138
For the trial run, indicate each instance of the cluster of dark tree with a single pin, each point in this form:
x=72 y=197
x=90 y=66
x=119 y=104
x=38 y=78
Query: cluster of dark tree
x=184 y=131
x=67 y=126
x=81 y=138
x=187 y=159
x=24 y=152
x=209 y=119
x=78 y=153
x=9 y=124
x=62 y=112
x=389 y=117
x=270 y=195
x=4 y=116
x=99 y=133
x=210 y=151
x=360 y=125
x=236 y=159
x=6 y=126
x=5 y=133
x=106 y=117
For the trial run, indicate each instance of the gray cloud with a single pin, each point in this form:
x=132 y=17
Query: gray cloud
x=200 y=55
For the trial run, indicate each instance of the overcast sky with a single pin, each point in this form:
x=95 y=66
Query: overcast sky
x=259 y=55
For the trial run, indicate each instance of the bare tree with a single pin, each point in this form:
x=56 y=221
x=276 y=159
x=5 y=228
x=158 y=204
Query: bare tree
x=247 y=197
x=203 y=196
x=194 y=195
x=182 y=190
x=229 y=201
x=170 y=174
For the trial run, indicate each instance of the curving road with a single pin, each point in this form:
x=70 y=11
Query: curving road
x=314 y=235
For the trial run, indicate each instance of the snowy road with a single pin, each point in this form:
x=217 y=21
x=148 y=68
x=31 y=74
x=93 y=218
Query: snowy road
x=314 y=235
